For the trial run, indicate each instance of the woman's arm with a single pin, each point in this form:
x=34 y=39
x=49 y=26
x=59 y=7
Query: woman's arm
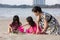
x=38 y=18
x=45 y=25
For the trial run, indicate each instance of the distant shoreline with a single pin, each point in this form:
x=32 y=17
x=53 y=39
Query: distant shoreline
x=24 y=8
x=28 y=6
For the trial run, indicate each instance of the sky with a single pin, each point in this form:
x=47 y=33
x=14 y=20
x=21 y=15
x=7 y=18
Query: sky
x=52 y=2
x=28 y=2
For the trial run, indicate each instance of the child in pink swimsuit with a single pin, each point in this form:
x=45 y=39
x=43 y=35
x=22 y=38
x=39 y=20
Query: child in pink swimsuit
x=15 y=26
x=33 y=26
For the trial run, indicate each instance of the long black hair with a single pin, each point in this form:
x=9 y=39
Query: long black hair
x=37 y=8
x=30 y=20
x=16 y=18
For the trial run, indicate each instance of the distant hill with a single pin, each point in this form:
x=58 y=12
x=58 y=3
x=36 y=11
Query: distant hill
x=28 y=6
x=49 y=6
x=14 y=6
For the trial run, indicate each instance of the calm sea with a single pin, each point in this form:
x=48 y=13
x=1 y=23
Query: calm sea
x=25 y=12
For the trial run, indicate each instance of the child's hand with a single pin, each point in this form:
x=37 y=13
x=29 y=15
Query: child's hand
x=25 y=24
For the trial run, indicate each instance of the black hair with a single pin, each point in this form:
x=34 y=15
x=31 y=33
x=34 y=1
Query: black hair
x=16 y=18
x=37 y=8
x=30 y=20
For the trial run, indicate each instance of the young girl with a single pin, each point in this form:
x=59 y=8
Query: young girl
x=15 y=26
x=33 y=27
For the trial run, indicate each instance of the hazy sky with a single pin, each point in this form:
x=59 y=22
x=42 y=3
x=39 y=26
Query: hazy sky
x=28 y=2
x=51 y=2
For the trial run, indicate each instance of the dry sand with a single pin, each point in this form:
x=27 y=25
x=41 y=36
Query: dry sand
x=4 y=24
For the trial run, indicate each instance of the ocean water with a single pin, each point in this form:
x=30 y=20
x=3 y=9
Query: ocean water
x=25 y=12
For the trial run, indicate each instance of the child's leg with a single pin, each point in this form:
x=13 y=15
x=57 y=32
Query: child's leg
x=9 y=30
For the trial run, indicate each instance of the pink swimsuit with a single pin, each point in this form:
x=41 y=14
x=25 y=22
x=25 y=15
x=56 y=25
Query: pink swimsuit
x=33 y=29
x=21 y=29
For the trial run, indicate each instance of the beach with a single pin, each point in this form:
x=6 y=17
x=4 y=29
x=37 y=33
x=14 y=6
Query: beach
x=4 y=35
x=6 y=15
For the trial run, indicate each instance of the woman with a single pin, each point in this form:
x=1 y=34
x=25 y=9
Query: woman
x=46 y=21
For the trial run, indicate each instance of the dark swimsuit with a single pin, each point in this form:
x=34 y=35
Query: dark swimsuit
x=14 y=27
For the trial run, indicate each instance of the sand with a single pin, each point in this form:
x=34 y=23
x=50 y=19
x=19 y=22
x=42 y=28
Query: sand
x=4 y=35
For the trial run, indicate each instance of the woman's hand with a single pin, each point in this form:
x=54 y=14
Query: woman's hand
x=37 y=31
x=43 y=31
